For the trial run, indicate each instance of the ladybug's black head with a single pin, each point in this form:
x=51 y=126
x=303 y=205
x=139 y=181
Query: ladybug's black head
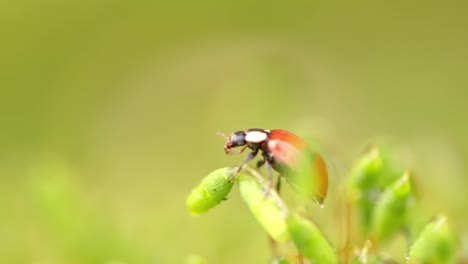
x=237 y=139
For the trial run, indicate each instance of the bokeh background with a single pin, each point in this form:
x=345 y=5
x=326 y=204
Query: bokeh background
x=109 y=112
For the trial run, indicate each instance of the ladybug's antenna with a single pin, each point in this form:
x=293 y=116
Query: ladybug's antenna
x=222 y=135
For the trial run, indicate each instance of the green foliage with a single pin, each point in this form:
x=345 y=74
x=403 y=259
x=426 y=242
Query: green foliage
x=310 y=241
x=365 y=173
x=368 y=178
x=390 y=209
x=384 y=200
x=436 y=244
x=210 y=192
x=129 y=92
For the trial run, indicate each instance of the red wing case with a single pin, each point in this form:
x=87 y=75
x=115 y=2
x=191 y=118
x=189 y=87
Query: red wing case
x=290 y=150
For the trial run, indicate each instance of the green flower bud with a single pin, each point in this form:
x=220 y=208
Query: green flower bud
x=363 y=185
x=436 y=244
x=366 y=172
x=310 y=241
x=210 y=192
x=390 y=211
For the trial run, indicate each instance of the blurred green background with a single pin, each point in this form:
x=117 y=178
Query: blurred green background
x=109 y=109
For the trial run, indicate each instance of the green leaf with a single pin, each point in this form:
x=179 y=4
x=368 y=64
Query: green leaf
x=310 y=241
x=390 y=211
x=436 y=244
x=266 y=210
x=210 y=192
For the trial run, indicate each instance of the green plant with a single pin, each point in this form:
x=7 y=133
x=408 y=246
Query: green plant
x=380 y=194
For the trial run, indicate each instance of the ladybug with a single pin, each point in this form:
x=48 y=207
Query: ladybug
x=283 y=152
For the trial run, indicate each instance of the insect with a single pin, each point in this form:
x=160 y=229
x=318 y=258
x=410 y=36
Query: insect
x=283 y=152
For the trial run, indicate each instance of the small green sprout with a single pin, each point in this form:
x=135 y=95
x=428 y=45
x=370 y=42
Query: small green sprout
x=390 y=209
x=363 y=187
x=366 y=172
x=310 y=241
x=436 y=244
x=210 y=192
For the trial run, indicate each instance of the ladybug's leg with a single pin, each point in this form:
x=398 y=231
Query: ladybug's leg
x=248 y=158
x=278 y=184
x=260 y=163
x=237 y=152
x=270 y=177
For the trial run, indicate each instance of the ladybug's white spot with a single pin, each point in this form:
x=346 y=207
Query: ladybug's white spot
x=255 y=136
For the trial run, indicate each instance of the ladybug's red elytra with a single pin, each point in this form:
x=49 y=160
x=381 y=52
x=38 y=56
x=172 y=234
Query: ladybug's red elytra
x=281 y=151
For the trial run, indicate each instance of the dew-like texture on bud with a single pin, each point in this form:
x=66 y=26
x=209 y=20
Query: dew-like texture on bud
x=436 y=244
x=390 y=211
x=211 y=191
x=310 y=241
x=265 y=209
